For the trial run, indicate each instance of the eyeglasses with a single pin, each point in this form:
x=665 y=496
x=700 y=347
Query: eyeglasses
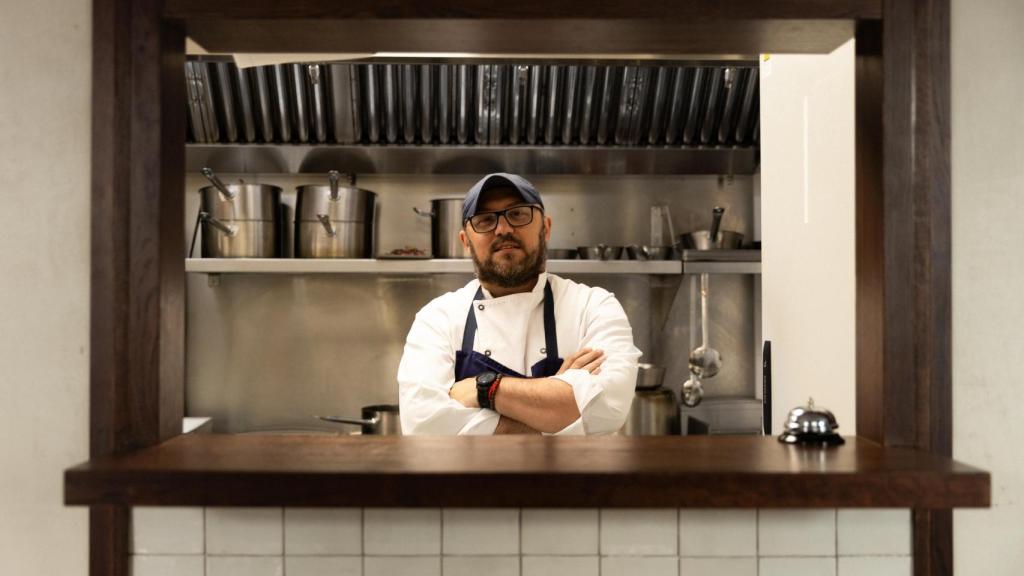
x=516 y=216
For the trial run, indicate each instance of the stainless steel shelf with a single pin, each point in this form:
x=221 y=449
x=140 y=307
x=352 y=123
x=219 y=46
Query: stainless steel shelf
x=410 y=266
x=376 y=159
x=721 y=261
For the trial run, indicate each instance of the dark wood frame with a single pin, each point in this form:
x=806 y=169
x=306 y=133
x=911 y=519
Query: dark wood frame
x=904 y=382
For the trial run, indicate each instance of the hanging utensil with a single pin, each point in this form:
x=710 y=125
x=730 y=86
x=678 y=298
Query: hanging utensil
x=705 y=361
x=693 y=391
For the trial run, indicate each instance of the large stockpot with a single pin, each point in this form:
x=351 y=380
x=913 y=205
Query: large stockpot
x=239 y=220
x=445 y=224
x=334 y=220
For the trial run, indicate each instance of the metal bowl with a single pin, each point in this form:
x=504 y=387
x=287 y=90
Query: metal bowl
x=599 y=252
x=701 y=240
x=635 y=252
x=562 y=254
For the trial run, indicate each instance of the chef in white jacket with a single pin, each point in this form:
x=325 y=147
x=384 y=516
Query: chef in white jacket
x=517 y=350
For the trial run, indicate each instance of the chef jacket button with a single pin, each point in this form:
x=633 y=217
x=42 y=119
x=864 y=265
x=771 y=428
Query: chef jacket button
x=479 y=306
x=543 y=350
x=487 y=352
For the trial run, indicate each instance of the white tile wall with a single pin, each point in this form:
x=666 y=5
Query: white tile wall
x=323 y=531
x=514 y=542
x=561 y=566
x=477 y=565
x=402 y=566
x=797 y=533
x=639 y=532
x=718 y=567
x=244 y=566
x=401 y=531
x=634 y=565
x=797 y=567
x=560 y=532
x=874 y=532
x=244 y=531
x=876 y=566
x=167 y=530
x=167 y=565
x=717 y=532
x=480 y=531
x=323 y=565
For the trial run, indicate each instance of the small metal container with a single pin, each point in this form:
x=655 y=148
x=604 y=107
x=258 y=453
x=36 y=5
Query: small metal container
x=649 y=376
x=334 y=220
x=653 y=413
x=701 y=240
x=561 y=254
x=599 y=252
x=648 y=252
x=239 y=220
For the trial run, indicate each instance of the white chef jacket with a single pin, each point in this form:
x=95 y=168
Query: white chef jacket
x=511 y=329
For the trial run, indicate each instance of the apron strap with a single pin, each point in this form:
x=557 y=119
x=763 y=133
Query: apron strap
x=469 y=334
x=550 y=334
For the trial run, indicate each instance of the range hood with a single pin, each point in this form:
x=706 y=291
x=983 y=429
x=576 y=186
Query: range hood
x=447 y=117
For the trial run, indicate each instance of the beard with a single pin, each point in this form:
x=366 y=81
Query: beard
x=509 y=273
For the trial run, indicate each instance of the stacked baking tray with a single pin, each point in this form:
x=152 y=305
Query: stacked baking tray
x=475 y=104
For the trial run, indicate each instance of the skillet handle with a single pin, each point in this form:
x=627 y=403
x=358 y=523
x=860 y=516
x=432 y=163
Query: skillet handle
x=345 y=420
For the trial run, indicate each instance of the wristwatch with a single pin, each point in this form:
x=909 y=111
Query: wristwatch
x=484 y=380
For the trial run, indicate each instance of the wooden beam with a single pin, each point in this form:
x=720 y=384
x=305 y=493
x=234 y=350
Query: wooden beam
x=904 y=316
x=137 y=282
x=669 y=38
x=524 y=10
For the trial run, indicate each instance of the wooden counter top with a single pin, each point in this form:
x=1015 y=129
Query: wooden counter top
x=519 y=471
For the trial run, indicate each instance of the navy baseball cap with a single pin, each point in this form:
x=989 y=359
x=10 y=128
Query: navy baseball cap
x=499 y=180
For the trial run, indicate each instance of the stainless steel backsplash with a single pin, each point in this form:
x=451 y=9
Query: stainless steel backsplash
x=267 y=351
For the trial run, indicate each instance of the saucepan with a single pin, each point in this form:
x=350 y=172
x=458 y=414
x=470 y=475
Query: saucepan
x=377 y=420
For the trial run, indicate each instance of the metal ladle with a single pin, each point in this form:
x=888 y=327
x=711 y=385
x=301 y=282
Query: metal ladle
x=705 y=361
x=693 y=392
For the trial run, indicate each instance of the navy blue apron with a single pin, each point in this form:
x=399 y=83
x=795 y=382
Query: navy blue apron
x=469 y=363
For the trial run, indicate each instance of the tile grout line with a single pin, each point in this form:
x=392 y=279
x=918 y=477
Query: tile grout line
x=520 y=559
x=835 y=518
x=204 y=542
x=757 y=541
x=362 y=541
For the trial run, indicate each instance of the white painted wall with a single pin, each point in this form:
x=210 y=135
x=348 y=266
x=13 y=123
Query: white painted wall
x=807 y=230
x=988 y=276
x=45 y=51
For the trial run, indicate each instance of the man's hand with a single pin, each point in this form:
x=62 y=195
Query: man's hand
x=586 y=359
x=464 y=392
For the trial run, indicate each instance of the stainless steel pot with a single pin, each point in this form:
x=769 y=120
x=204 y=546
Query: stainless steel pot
x=713 y=239
x=445 y=224
x=653 y=413
x=239 y=220
x=377 y=420
x=649 y=376
x=334 y=220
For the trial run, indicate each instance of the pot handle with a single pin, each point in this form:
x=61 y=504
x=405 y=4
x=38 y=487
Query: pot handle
x=224 y=191
x=334 y=176
x=428 y=214
x=325 y=221
x=716 y=223
x=227 y=229
x=345 y=420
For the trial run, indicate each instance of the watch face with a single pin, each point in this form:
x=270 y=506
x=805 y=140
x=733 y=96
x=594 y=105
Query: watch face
x=486 y=378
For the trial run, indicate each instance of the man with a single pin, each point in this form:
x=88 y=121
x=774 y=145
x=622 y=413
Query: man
x=485 y=359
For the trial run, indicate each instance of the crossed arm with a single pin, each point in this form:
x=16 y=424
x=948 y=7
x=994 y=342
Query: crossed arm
x=533 y=405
